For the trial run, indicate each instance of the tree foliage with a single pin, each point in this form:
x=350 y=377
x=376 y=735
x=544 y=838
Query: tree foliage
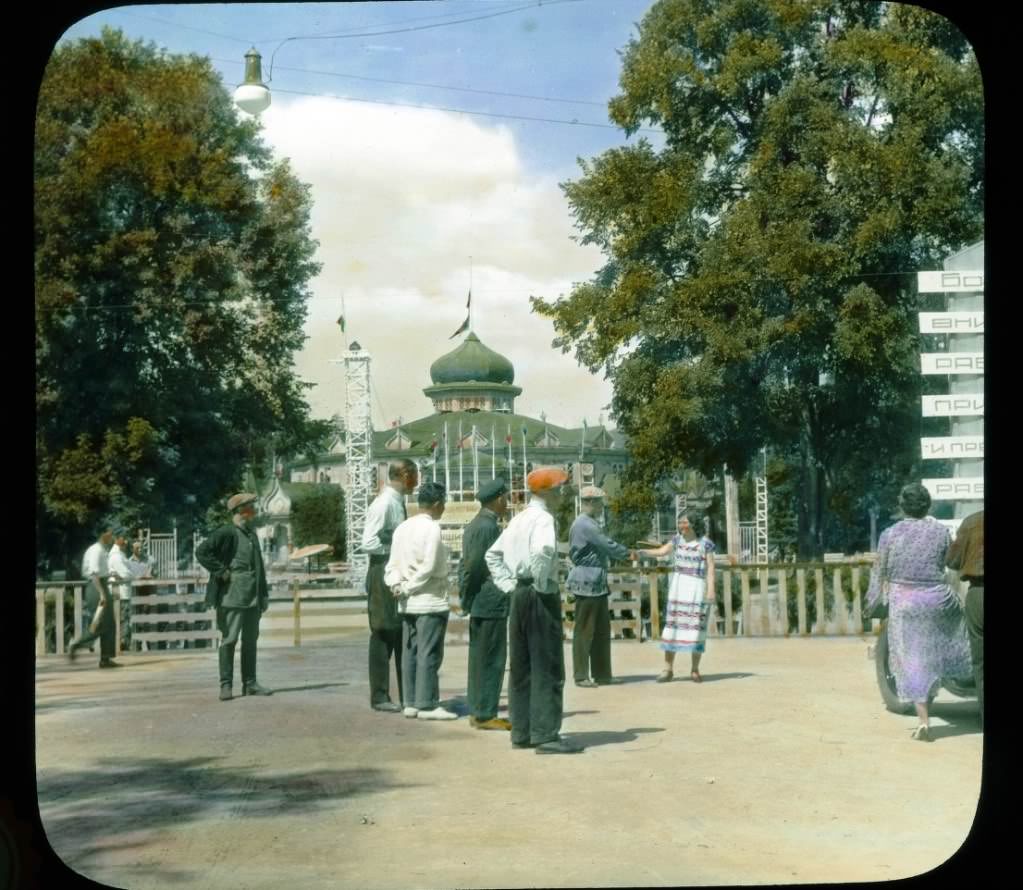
x=760 y=263
x=319 y=518
x=172 y=261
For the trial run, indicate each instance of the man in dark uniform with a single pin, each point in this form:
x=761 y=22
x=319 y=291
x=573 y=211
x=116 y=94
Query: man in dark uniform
x=523 y=562
x=237 y=589
x=487 y=607
x=591 y=552
x=385 y=514
x=967 y=556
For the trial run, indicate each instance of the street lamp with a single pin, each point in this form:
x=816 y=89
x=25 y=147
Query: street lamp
x=252 y=96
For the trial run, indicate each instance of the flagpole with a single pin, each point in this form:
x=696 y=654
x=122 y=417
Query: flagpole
x=447 y=462
x=461 y=496
x=525 y=465
x=511 y=464
x=475 y=462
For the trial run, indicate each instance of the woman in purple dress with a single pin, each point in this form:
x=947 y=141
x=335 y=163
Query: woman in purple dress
x=927 y=637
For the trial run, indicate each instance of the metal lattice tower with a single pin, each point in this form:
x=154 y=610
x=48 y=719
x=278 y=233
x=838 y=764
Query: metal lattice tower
x=761 y=483
x=358 y=454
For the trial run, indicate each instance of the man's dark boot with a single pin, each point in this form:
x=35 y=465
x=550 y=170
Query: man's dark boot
x=254 y=688
x=225 y=693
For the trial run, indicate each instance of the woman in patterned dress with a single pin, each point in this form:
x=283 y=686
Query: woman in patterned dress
x=927 y=637
x=690 y=595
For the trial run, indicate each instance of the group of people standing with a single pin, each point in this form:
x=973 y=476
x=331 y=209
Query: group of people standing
x=508 y=587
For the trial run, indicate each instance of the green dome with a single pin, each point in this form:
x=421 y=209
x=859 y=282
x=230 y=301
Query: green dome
x=472 y=361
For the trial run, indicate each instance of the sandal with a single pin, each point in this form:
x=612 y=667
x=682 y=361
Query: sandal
x=695 y=676
x=922 y=733
x=664 y=676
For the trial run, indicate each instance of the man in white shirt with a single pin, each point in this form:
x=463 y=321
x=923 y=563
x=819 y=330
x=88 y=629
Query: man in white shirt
x=417 y=573
x=120 y=581
x=523 y=563
x=384 y=515
x=96 y=570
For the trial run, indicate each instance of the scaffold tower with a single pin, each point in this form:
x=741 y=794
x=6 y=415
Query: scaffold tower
x=761 y=484
x=358 y=453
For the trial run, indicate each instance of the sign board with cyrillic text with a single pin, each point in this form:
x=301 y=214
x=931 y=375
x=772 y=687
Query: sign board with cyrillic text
x=960 y=488
x=952 y=363
x=955 y=282
x=952 y=447
x=951 y=322
x=969 y=404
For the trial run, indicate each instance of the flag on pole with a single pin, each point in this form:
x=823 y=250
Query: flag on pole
x=464 y=326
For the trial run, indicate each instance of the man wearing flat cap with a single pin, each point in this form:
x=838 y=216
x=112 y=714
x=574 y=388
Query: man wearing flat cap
x=487 y=607
x=237 y=589
x=523 y=562
x=591 y=552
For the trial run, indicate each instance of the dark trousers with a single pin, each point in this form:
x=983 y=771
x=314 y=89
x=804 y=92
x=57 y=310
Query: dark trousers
x=384 y=634
x=975 y=626
x=488 y=654
x=536 y=683
x=125 y=624
x=591 y=639
x=422 y=653
x=235 y=623
x=106 y=633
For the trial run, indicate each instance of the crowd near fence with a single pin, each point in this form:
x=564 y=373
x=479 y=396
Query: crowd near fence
x=755 y=600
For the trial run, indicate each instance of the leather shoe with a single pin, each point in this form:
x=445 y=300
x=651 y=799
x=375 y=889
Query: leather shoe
x=586 y=684
x=72 y=652
x=523 y=745
x=256 y=689
x=559 y=746
x=225 y=693
x=108 y=663
x=387 y=706
x=494 y=723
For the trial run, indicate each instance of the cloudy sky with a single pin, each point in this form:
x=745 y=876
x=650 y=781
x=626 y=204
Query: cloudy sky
x=431 y=133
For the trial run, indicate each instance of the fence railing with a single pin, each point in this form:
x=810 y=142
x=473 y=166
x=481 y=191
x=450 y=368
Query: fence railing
x=768 y=599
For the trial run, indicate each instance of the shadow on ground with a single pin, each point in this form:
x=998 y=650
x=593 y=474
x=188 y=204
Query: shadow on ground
x=278 y=691
x=117 y=805
x=961 y=717
x=595 y=739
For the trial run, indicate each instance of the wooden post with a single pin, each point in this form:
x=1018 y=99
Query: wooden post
x=747 y=623
x=766 y=618
x=60 y=621
x=783 y=601
x=839 y=603
x=78 y=611
x=726 y=595
x=655 y=606
x=296 y=612
x=801 y=600
x=822 y=618
x=857 y=609
x=41 y=622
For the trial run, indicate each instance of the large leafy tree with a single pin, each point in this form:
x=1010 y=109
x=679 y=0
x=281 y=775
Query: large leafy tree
x=759 y=278
x=172 y=261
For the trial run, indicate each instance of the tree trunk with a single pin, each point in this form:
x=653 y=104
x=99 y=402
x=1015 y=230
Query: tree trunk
x=811 y=506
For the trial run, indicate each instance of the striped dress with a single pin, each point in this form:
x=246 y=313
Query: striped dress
x=685 y=622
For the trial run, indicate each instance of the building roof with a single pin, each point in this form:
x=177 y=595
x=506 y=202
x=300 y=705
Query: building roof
x=471 y=361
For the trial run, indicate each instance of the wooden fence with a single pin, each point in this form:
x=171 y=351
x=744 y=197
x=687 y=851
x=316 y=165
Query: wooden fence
x=770 y=599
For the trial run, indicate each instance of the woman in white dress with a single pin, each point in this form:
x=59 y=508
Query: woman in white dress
x=690 y=596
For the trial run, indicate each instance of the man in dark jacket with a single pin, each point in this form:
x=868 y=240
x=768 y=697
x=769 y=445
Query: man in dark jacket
x=967 y=556
x=237 y=589
x=487 y=607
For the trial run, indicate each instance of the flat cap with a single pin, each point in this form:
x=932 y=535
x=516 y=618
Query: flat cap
x=546 y=478
x=237 y=501
x=592 y=493
x=492 y=489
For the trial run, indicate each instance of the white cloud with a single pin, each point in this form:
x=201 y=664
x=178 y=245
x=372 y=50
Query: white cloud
x=402 y=198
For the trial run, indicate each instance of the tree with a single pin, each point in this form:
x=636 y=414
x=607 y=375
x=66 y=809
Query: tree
x=172 y=261
x=760 y=265
x=319 y=518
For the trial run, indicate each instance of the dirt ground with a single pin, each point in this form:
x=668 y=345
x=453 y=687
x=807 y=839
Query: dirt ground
x=782 y=767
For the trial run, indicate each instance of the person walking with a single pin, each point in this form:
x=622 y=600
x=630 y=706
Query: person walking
x=591 y=552
x=121 y=576
x=237 y=589
x=99 y=606
x=690 y=594
x=417 y=573
x=966 y=555
x=385 y=514
x=927 y=637
x=523 y=563
x=487 y=607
